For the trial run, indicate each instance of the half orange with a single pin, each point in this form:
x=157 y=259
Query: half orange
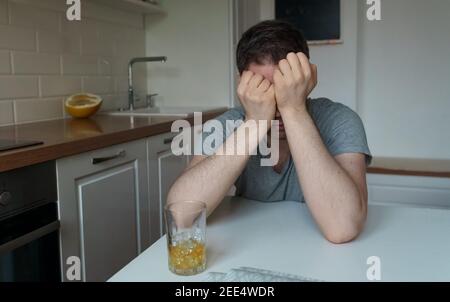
x=83 y=105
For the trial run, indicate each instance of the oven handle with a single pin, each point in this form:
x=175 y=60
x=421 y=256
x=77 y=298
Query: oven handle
x=27 y=238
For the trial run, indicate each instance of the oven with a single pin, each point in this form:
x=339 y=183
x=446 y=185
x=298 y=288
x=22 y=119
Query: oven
x=29 y=225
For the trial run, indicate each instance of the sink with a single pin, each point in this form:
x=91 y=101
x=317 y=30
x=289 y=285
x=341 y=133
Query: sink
x=162 y=111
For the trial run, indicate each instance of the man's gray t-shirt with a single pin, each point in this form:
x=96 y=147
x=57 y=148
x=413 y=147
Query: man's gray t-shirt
x=341 y=129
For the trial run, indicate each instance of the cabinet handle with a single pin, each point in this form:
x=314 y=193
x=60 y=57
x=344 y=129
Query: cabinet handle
x=97 y=160
x=168 y=140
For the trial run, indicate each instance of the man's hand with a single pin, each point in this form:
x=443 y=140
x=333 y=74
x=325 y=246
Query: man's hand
x=294 y=80
x=257 y=95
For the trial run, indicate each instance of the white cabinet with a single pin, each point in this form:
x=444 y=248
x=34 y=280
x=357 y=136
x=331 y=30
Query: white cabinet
x=431 y=192
x=111 y=202
x=164 y=168
x=103 y=207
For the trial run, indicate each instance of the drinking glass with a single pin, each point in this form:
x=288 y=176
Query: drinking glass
x=186 y=237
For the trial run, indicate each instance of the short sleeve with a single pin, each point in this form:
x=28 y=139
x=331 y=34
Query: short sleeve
x=217 y=130
x=343 y=131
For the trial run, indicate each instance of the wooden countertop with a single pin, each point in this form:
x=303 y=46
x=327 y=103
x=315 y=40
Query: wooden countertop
x=410 y=166
x=65 y=137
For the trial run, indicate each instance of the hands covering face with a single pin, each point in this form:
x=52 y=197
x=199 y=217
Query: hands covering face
x=293 y=80
x=257 y=95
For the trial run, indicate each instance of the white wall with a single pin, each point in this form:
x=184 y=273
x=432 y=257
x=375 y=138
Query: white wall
x=44 y=57
x=195 y=36
x=404 y=79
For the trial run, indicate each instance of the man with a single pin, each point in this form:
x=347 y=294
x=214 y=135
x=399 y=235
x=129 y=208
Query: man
x=323 y=150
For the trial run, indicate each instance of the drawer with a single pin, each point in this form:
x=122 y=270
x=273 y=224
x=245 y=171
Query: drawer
x=101 y=159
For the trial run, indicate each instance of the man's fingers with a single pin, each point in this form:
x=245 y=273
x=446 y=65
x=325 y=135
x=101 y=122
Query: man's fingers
x=246 y=77
x=285 y=69
x=277 y=76
x=305 y=65
x=256 y=80
x=265 y=84
x=271 y=91
x=296 y=67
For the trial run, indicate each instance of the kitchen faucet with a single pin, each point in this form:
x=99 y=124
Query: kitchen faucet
x=130 y=75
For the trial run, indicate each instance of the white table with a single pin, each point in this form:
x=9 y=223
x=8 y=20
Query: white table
x=413 y=244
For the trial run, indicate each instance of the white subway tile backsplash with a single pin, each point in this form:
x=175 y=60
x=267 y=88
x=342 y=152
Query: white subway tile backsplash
x=49 y=41
x=58 y=43
x=37 y=109
x=5 y=62
x=89 y=45
x=30 y=16
x=121 y=84
x=79 y=65
x=59 y=85
x=3 y=11
x=131 y=44
x=111 y=102
x=105 y=65
x=108 y=14
x=93 y=44
x=120 y=65
x=17 y=38
x=72 y=44
x=83 y=27
x=109 y=29
x=6 y=113
x=12 y=87
x=44 y=57
x=35 y=63
x=98 y=85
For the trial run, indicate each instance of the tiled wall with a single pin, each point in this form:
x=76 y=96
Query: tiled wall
x=44 y=57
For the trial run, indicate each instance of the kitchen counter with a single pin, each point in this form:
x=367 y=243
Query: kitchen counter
x=412 y=245
x=410 y=166
x=65 y=137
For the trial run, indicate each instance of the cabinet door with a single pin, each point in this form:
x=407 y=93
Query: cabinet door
x=104 y=208
x=164 y=168
x=108 y=205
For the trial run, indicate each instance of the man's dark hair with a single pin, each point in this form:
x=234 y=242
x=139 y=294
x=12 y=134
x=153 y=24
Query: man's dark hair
x=269 y=42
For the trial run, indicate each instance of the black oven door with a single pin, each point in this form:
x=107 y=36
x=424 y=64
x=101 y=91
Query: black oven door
x=29 y=246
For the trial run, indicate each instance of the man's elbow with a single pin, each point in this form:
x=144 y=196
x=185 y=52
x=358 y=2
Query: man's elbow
x=348 y=229
x=344 y=233
x=173 y=195
x=341 y=237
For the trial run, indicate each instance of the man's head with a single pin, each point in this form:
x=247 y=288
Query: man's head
x=262 y=46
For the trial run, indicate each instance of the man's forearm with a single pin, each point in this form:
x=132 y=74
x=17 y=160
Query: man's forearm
x=210 y=179
x=334 y=199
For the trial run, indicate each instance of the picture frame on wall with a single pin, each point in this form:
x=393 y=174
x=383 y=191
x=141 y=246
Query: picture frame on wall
x=319 y=20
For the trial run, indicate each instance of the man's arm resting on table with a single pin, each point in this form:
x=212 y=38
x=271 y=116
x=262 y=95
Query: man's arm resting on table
x=209 y=178
x=335 y=188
